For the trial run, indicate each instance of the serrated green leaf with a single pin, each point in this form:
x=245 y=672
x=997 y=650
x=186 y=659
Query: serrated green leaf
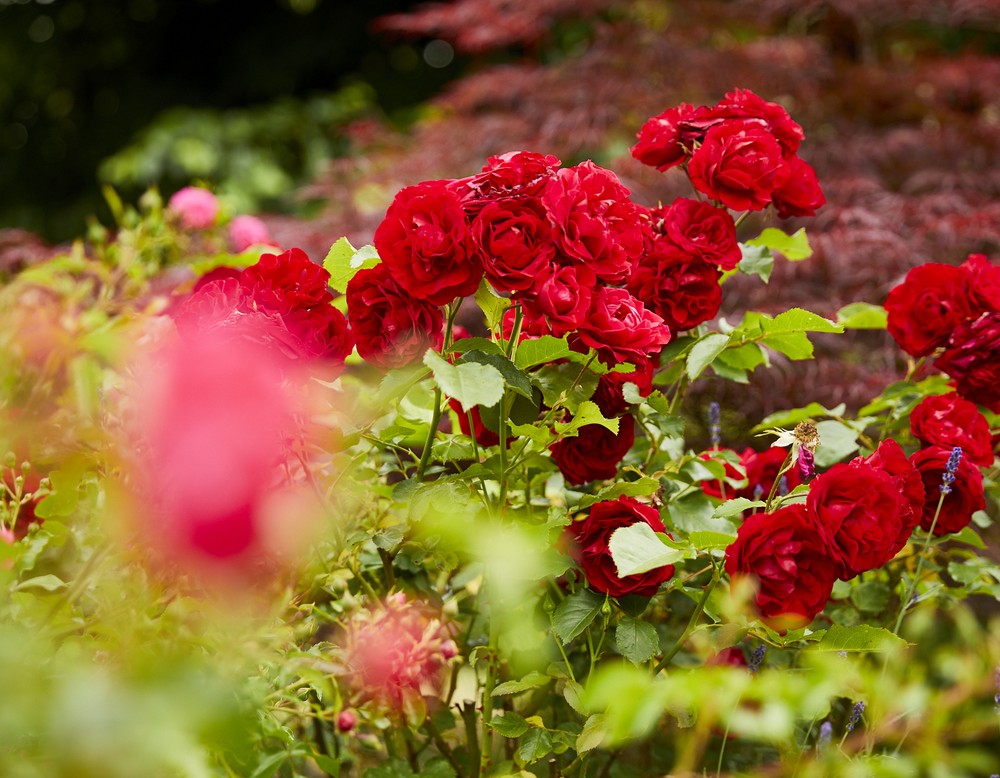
x=470 y=383
x=343 y=262
x=637 y=640
x=836 y=441
x=592 y=734
x=858 y=638
x=564 y=384
x=532 y=680
x=756 y=261
x=800 y=320
x=48 y=583
x=969 y=536
x=871 y=596
x=515 y=378
x=794 y=247
x=643 y=487
x=510 y=724
x=794 y=416
x=587 y=413
x=862 y=316
x=693 y=513
x=704 y=352
x=476 y=344
x=711 y=541
x=537 y=351
x=794 y=345
x=745 y=357
x=491 y=305
x=637 y=549
x=535 y=744
x=735 y=507
x=575 y=613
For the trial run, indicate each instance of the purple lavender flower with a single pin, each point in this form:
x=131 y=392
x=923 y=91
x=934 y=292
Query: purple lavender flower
x=714 y=424
x=825 y=735
x=949 y=470
x=756 y=658
x=855 y=717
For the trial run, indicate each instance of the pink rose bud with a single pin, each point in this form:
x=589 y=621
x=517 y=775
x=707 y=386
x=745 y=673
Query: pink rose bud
x=246 y=231
x=449 y=650
x=196 y=207
x=346 y=720
x=7 y=536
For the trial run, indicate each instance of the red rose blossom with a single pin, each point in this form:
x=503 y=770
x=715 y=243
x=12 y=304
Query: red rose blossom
x=985 y=282
x=947 y=420
x=925 y=309
x=620 y=328
x=861 y=512
x=890 y=459
x=514 y=241
x=703 y=230
x=800 y=195
x=287 y=281
x=744 y=104
x=786 y=553
x=609 y=397
x=972 y=359
x=595 y=453
x=682 y=289
x=391 y=327
x=666 y=139
x=561 y=298
x=424 y=241
x=739 y=164
x=966 y=495
x=512 y=175
x=589 y=547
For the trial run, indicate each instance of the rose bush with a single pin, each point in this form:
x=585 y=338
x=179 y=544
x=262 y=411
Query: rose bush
x=294 y=519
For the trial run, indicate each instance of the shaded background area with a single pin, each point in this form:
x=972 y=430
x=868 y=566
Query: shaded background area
x=318 y=115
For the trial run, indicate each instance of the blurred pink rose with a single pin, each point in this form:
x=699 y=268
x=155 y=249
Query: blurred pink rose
x=196 y=207
x=246 y=231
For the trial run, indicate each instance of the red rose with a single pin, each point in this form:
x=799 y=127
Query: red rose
x=391 y=327
x=514 y=174
x=595 y=453
x=861 y=511
x=620 y=328
x=682 y=289
x=786 y=553
x=972 y=359
x=800 y=195
x=929 y=304
x=946 y=420
x=589 y=547
x=744 y=104
x=596 y=223
x=890 y=459
x=608 y=395
x=287 y=281
x=514 y=241
x=665 y=140
x=424 y=241
x=562 y=298
x=966 y=495
x=985 y=282
x=703 y=230
x=738 y=164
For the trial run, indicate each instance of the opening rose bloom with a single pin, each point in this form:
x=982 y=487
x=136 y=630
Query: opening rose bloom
x=588 y=542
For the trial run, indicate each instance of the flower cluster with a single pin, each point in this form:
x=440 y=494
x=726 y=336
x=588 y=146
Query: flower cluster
x=283 y=301
x=741 y=153
x=953 y=313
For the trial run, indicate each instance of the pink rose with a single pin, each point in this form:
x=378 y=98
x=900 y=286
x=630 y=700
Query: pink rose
x=197 y=208
x=247 y=231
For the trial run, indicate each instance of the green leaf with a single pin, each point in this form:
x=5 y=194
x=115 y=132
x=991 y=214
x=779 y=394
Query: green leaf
x=492 y=306
x=343 y=262
x=510 y=724
x=644 y=487
x=862 y=316
x=745 y=357
x=470 y=383
x=693 y=513
x=704 y=352
x=592 y=734
x=795 y=247
x=792 y=417
x=637 y=640
x=756 y=261
x=711 y=541
x=532 y=680
x=858 y=638
x=836 y=441
x=794 y=345
x=587 y=413
x=476 y=344
x=575 y=613
x=799 y=320
x=735 y=507
x=48 y=583
x=871 y=596
x=537 y=351
x=517 y=380
x=563 y=384
x=970 y=536
x=534 y=745
x=637 y=549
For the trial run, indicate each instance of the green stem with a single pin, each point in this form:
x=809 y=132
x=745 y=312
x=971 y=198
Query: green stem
x=693 y=621
x=785 y=467
x=911 y=589
x=486 y=754
x=425 y=457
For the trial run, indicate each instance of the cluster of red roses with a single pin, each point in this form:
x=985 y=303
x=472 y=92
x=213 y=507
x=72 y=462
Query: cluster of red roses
x=953 y=312
x=283 y=302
